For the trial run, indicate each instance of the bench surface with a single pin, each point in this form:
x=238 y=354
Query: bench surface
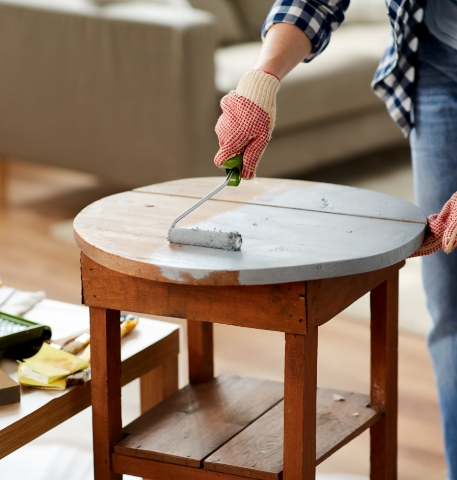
x=41 y=410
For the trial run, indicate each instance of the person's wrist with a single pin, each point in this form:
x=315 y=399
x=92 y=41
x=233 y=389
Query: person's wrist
x=268 y=73
x=260 y=87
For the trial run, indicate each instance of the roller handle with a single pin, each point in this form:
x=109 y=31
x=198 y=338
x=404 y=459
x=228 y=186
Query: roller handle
x=234 y=165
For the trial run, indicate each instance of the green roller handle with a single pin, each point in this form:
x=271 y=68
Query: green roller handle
x=234 y=165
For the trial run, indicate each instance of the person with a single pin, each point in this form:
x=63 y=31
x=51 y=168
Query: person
x=417 y=80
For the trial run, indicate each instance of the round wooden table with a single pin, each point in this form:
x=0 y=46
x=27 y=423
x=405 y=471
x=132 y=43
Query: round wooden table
x=309 y=251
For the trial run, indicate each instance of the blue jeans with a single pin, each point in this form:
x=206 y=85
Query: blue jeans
x=434 y=153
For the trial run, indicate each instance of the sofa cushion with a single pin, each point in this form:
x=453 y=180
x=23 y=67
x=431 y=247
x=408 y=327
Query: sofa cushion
x=366 y=11
x=337 y=83
x=173 y=3
x=254 y=13
x=229 y=27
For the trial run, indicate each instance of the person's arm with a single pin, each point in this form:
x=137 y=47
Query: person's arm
x=283 y=49
x=250 y=112
x=295 y=31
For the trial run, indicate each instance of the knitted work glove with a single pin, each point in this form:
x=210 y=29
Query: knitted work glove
x=441 y=232
x=248 y=118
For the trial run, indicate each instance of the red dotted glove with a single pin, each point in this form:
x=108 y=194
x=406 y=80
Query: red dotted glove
x=441 y=232
x=248 y=118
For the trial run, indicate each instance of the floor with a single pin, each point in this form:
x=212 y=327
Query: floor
x=36 y=253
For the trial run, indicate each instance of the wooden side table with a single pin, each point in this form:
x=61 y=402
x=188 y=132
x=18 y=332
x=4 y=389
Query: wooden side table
x=309 y=251
x=150 y=354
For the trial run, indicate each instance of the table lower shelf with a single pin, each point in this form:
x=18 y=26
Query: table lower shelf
x=232 y=426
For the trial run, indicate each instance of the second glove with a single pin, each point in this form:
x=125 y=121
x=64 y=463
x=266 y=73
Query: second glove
x=441 y=232
x=247 y=121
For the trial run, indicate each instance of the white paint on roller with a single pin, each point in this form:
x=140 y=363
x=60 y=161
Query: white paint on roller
x=203 y=238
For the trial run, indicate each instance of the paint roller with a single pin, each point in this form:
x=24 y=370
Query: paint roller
x=206 y=238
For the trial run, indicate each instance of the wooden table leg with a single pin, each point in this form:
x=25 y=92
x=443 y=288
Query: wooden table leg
x=106 y=388
x=158 y=384
x=384 y=378
x=300 y=385
x=201 y=351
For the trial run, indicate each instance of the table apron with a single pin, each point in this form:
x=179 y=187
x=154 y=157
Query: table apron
x=268 y=307
x=288 y=307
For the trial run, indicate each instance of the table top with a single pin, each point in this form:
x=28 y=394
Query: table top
x=43 y=409
x=292 y=231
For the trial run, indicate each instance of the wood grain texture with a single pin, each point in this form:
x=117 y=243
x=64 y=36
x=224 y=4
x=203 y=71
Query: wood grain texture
x=257 y=452
x=10 y=391
x=195 y=421
x=201 y=351
x=106 y=388
x=124 y=464
x=158 y=384
x=297 y=194
x=269 y=307
x=326 y=298
x=384 y=379
x=300 y=385
x=281 y=244
x=339 y=422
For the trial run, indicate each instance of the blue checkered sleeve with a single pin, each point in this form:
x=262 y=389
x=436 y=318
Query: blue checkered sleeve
x=317 y=18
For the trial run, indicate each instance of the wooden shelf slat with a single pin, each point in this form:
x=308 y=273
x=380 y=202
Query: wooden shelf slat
x=197 y=420
x=257 y=451
x=140 y=467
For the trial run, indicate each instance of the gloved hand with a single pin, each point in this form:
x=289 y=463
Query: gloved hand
x=248 y=118
x=441 y=232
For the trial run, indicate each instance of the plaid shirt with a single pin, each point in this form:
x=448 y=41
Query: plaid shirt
x=394 y=80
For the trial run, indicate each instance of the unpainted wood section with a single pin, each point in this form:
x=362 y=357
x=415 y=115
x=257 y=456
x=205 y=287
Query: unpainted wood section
x=326 y=298
x=197 y=420
x=296 y=194
x=257 y=452
x=124 y=464
x=106 y=388
x=339 y=422
x=158 y=384
x=201 y=351
x=268 y=307
x=77 y=399
x=126 y=232
x=384 y=379
x=300 y=385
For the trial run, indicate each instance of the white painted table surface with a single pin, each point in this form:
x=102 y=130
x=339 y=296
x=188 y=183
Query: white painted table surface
x=292 y=231
x=65 y=319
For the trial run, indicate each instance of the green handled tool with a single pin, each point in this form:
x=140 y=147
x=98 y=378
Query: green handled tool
x=203 y=238
x=235 y=167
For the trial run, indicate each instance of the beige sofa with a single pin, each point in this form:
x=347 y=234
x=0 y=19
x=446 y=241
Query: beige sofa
x=130 y=90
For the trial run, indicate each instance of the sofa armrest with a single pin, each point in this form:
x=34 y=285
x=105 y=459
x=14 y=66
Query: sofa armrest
x=125 y=91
